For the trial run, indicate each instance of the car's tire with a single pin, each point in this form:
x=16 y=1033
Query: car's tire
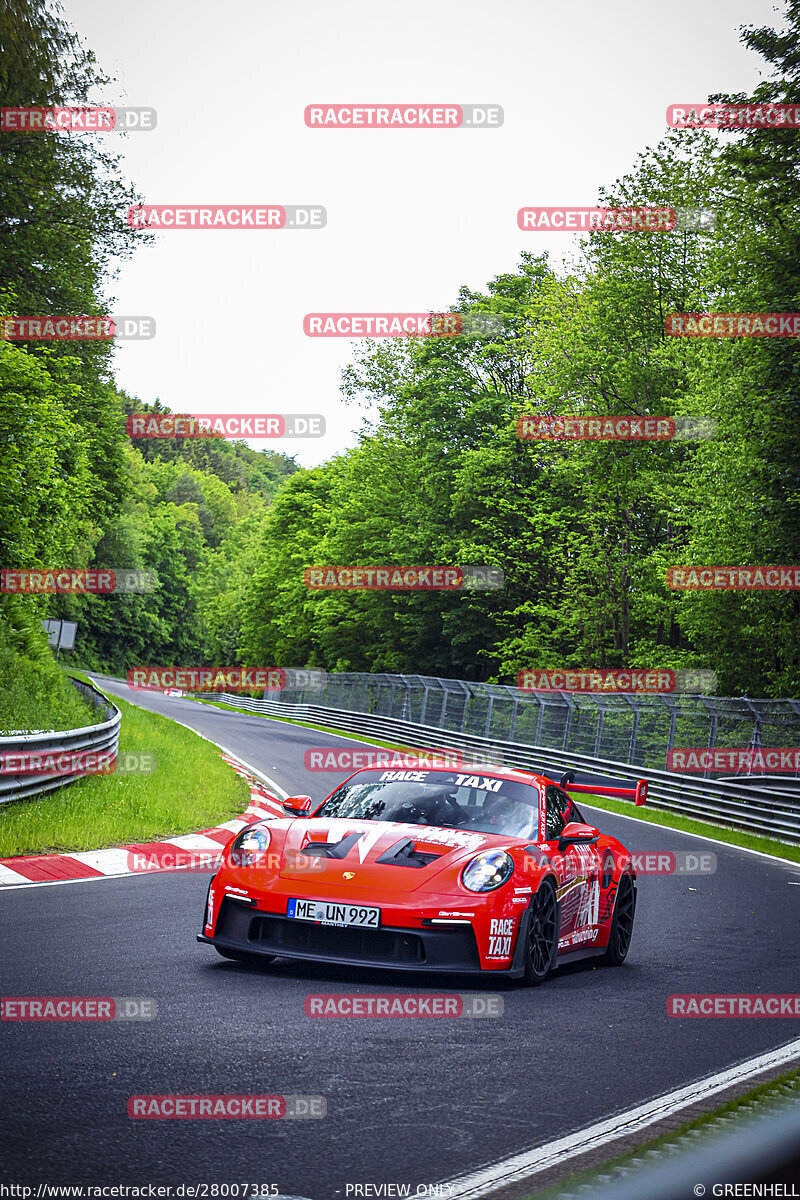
x=542 y=947
x=244 y=956
x=619 y=938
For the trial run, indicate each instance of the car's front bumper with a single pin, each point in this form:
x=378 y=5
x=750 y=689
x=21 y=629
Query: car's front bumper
x=448 y=948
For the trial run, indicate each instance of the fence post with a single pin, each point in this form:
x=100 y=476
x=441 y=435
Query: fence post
x=424 y=701
x=468 y=695
x=568 y=722
x=635 y=730
x=514 y=711
x=598 y=738
x=488 y=729
x=712 y=733
x=540 y=722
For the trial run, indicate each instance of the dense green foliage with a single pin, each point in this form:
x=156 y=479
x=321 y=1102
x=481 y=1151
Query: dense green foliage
x=35 y=693
x=74 y=491
x=584 y=532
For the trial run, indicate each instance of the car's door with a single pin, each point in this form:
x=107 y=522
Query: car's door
x=578 y=867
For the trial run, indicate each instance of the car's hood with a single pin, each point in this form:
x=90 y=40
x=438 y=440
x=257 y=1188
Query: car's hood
x=375 y=853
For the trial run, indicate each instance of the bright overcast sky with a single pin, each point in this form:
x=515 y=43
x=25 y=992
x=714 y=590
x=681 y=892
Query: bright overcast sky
x=412 y=215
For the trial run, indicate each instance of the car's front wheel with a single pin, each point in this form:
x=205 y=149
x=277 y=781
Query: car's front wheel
x=542 y=948
x=619 y=939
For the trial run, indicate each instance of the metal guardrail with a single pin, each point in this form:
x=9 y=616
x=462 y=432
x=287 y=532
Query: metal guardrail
x=92 y=738
x=638 y=729
x=755 y=806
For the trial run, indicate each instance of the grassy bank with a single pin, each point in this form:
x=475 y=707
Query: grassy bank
x=34 y=692
x=190 y=789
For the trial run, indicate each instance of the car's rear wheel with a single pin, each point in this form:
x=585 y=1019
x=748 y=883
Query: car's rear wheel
x=542 y=948
x=619 y=939
x=244 y=956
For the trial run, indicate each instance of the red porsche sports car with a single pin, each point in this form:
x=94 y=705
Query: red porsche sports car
x=482 y=869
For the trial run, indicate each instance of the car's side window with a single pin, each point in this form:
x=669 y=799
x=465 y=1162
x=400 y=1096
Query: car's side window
x=558 y=809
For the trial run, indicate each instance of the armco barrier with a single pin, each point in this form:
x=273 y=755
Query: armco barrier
x=93 y=738
x=756 y=806
x=637 y=729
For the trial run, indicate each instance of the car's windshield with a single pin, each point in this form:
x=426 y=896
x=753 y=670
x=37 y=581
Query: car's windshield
x=446 y=799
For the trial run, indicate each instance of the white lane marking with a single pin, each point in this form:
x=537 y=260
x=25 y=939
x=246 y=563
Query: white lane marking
x=113 y=861
x=17 y=887
x=193 y=841
x=532 y=1162
x=9 y=876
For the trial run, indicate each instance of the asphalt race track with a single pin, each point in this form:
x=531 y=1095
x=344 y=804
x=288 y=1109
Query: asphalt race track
x=409 y=1101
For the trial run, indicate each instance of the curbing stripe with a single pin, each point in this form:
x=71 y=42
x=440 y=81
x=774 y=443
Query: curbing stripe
x=50 y=867
x=114 y=862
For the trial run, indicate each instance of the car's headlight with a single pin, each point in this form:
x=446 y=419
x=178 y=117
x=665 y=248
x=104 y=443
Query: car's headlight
x=488 y=871
x=250 y=847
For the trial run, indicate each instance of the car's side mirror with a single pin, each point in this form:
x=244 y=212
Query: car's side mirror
x=576 y=834
x=299 y=806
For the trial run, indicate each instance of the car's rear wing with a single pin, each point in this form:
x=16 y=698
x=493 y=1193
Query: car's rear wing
x=603 y=785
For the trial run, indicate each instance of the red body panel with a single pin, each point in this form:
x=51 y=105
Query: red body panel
x=585 y=875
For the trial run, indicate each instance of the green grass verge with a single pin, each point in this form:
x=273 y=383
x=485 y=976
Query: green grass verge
x=669 y=820
x=784 y=1087
x=191 y=789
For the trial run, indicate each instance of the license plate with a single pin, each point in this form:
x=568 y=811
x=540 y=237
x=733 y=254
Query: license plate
x=327 y=913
